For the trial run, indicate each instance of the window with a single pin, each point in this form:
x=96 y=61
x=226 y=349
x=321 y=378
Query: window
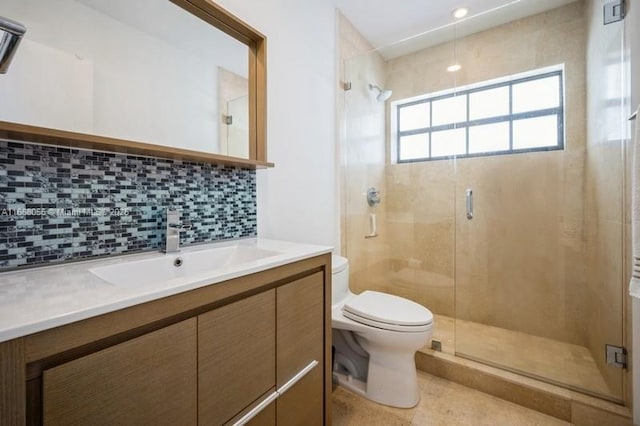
x=523 y=114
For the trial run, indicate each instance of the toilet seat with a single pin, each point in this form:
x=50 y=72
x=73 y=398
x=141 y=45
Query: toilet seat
x=388 y=312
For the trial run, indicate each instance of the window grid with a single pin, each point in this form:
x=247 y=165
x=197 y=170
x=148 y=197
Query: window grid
x=510 y=118
x=430 y=123
x=467 y=127
x=511 y=114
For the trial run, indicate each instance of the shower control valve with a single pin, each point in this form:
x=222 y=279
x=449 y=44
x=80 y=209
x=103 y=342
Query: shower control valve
x=373 y=196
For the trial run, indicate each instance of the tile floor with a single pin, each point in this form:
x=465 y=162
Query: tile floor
x=441 y=403
x=550 y=360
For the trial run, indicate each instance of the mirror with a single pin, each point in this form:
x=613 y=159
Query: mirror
x=145 y=71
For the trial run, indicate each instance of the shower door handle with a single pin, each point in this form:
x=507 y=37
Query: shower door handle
x=469 y=204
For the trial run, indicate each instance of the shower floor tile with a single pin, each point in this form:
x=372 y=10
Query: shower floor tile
x=549 y=360
x=444 y=332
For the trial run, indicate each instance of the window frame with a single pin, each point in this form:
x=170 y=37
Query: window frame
x=559 y=112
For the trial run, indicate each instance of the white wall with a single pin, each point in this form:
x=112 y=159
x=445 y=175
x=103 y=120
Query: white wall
x=296 y=199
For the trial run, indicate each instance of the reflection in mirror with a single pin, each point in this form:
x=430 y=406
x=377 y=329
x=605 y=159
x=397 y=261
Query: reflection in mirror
x=145 y=71
x=233 y=102
x=238 y=127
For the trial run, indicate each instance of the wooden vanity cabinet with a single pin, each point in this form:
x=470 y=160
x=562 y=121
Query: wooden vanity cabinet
x=255 y=348
x=147 y=380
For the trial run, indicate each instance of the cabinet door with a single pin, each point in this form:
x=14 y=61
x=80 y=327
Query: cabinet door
x=300 y=337
x=147 y=380
x=236 y=356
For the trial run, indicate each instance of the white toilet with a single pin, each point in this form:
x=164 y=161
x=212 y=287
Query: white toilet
x=375 y=337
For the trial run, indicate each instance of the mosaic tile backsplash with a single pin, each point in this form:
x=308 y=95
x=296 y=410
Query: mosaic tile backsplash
x=59 y=204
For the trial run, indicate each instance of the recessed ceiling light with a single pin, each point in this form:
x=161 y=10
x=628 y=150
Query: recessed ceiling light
x=454 y=68
x=460 y=12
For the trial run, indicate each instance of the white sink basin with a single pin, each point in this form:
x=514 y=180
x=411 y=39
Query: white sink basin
x=168 y=270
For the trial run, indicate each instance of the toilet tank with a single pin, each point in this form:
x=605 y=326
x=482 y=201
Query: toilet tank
x=339 y=279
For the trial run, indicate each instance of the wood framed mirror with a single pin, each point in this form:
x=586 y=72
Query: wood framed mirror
x=60 y=89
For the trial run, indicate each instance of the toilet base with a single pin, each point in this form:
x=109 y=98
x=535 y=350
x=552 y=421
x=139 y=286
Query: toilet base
x=393 y=380
x=382 y=360
x=385 y=386
x=348 y=382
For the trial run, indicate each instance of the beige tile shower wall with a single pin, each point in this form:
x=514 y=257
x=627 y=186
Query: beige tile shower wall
x=421 y=223
x=421 y=205
x=607 y=137
x=521 y=256
x=362 y=148
x=520 y=263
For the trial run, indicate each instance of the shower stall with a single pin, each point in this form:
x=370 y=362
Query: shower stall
x=500 y=157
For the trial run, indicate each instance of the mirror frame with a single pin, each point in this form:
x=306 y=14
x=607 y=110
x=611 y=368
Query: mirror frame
x=221 y=19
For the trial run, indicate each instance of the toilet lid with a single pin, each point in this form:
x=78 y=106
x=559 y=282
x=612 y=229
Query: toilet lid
x=387 y=311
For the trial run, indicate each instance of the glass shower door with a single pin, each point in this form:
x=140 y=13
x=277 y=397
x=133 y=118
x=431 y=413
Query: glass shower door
x=539 y=263
x=364 y=240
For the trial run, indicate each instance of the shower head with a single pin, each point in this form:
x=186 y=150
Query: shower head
x=383 y=95
x=11 y=33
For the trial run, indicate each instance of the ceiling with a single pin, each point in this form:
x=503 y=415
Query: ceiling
x=403 y=26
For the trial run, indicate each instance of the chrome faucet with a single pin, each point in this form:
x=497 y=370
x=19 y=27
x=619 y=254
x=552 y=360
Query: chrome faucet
x=174 y=226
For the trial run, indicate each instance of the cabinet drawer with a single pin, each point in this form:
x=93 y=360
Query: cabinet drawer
x=267 y=417
x=236 y=356
x=300 y=341
x=302 y=404
x=147 y=380
x=260 y=413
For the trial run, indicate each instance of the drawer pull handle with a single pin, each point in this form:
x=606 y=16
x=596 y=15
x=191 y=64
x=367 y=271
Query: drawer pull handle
x=268 y=400
x=295 y=379
x=257 y=409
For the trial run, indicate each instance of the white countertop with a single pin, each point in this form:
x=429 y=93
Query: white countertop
x=38 y=299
